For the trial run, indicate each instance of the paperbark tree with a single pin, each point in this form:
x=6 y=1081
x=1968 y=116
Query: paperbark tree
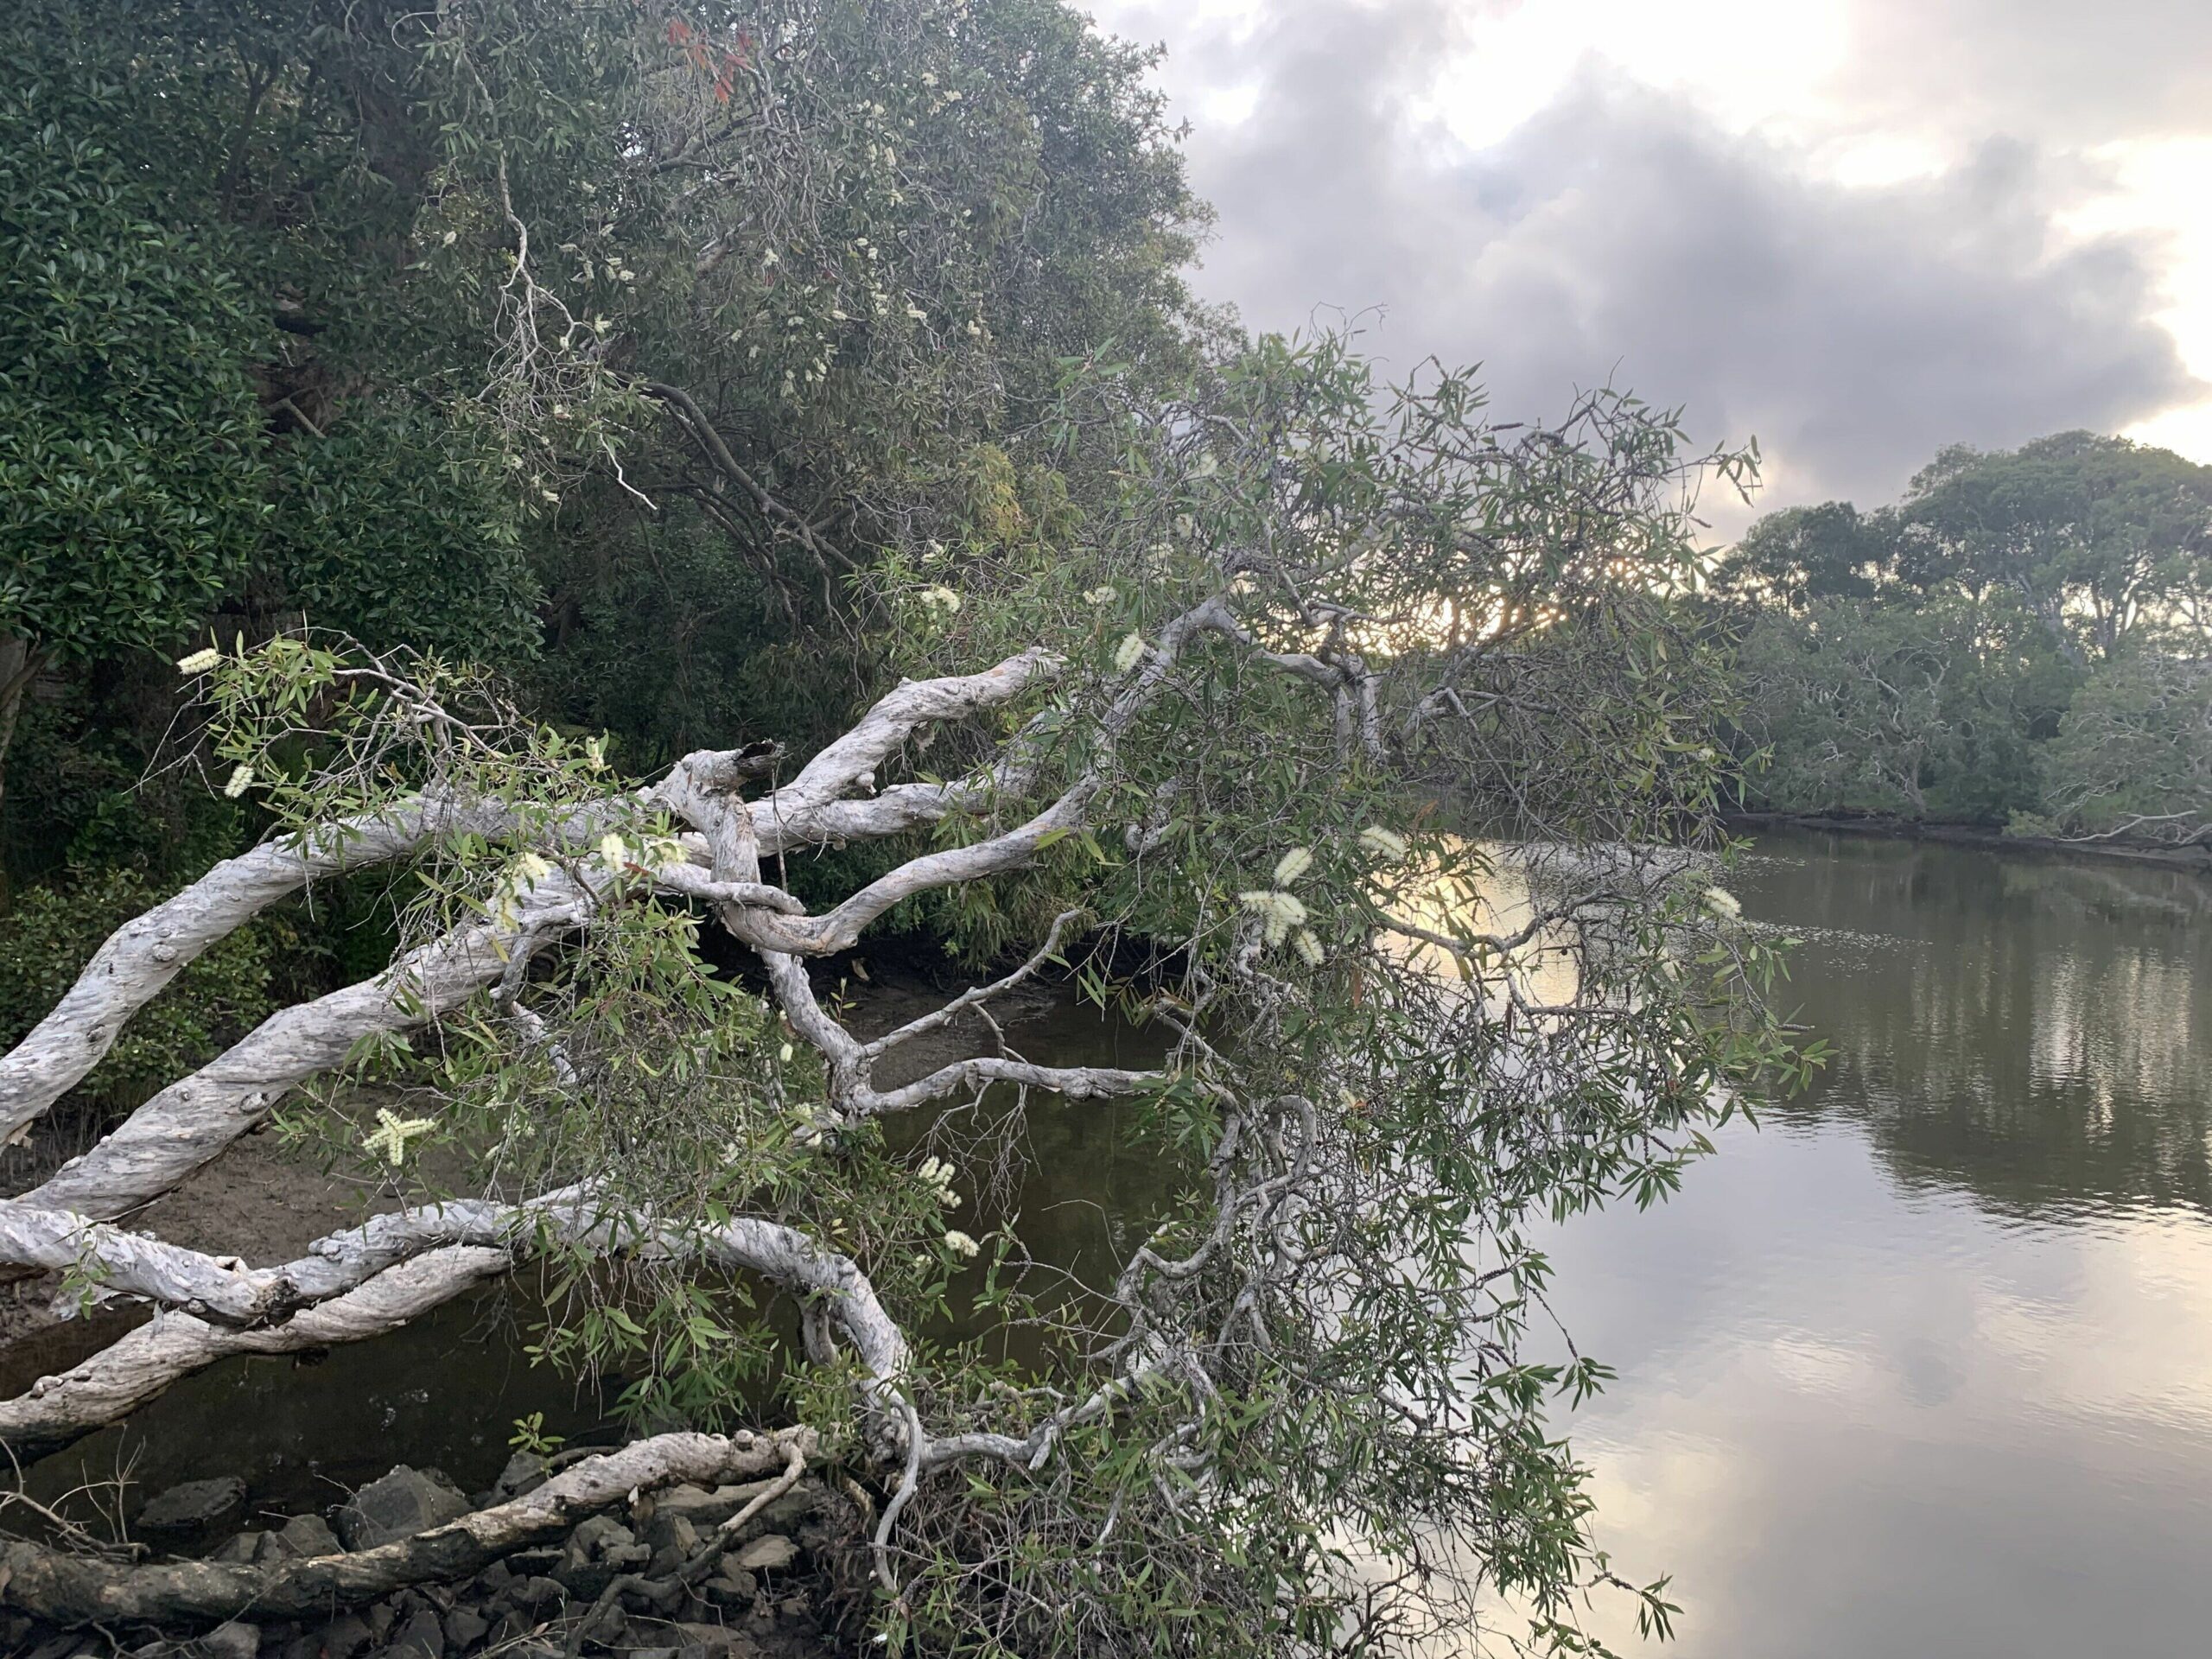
x=1201 y=780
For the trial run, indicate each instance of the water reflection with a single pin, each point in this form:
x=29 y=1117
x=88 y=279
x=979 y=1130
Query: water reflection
x=1926 y=1366
x=1923 y=1367
x=2033 y=1031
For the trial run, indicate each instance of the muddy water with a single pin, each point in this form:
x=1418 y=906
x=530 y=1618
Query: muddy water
x=1922 y=1365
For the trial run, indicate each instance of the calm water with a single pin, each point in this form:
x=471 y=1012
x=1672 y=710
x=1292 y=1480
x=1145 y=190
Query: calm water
x=1921 y=1366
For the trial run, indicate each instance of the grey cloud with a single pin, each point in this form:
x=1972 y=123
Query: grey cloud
x=1621 y=236
x=2066 y=71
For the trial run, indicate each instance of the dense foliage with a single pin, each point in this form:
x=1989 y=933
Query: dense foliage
x=601 y=342
x=2022 y=642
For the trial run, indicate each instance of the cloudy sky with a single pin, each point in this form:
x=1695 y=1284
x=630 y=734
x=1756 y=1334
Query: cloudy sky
x=1857 y=229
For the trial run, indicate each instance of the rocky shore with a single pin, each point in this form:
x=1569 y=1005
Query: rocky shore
x=664 y=1575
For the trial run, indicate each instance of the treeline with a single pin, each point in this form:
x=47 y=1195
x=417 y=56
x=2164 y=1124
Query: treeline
x=608 y=343
x=2024 y=643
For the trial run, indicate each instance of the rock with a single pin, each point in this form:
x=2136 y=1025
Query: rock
x=240 y=1550
x=464 y=1627
x=306 y=1535
x=704 y=1508
x=599 y=1550
x=525 y=1472
x=538 y=1595
x=710 y=1642
x=732 y=1589
x=402 y=1503
x=770 y=1554
x=196 y=1505
x=598 y=1534
x=420 y=1638
x=381 y=1618
x=346 y=1635
x=495 y=1578
x=675 y=1532
x=233 y=1640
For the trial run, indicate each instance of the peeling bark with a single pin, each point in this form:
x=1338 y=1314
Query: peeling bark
x=369 y=1281
x=141 y=957
x=139 y=1365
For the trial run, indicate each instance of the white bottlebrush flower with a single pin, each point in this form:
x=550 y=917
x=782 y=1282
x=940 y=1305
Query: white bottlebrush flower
x=595 y=754
x=199 y=662
x=941 y=598
x=659 y=853
x=532 y=868
x=1278 y=912
x=1101 y=595
x=938 y=1174
x=241 y=780
x=448 y=239
x=918 y=313
x=1386 y=844
x=1723 y=903
x=1208 y=465
x=1128 y=653
x=389 y=1138
x=1307 y=947
x=611 y=852
x=1292 y=864
x=960 y=1244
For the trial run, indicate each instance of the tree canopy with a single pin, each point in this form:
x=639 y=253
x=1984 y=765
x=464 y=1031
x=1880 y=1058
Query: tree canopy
x=2020 y=640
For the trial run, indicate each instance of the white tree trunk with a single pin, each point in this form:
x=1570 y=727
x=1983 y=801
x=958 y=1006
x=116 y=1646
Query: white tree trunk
x=73 y=1589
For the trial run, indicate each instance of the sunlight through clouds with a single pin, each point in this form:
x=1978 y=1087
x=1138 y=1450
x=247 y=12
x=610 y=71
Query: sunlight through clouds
x=1857 y=230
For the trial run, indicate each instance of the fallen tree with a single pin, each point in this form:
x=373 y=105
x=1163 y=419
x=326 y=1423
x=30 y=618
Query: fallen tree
x=1199 y=782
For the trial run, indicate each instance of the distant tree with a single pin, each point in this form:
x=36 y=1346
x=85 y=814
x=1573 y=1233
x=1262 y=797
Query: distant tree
x=1919 y=659
x=2133 y=755
x=2093 y=536
x=1803 y=554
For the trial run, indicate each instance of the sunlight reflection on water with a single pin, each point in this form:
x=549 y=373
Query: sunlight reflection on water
x=1925 y=1366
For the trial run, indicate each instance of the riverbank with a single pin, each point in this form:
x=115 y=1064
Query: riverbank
x=769 y=1568
x=2198 y=859
x=782 y=1588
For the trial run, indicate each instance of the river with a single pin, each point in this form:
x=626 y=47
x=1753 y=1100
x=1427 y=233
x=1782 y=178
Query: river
x=1922 y=1364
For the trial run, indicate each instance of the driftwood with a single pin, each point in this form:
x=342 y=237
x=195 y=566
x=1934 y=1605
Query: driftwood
x=75 y=1590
